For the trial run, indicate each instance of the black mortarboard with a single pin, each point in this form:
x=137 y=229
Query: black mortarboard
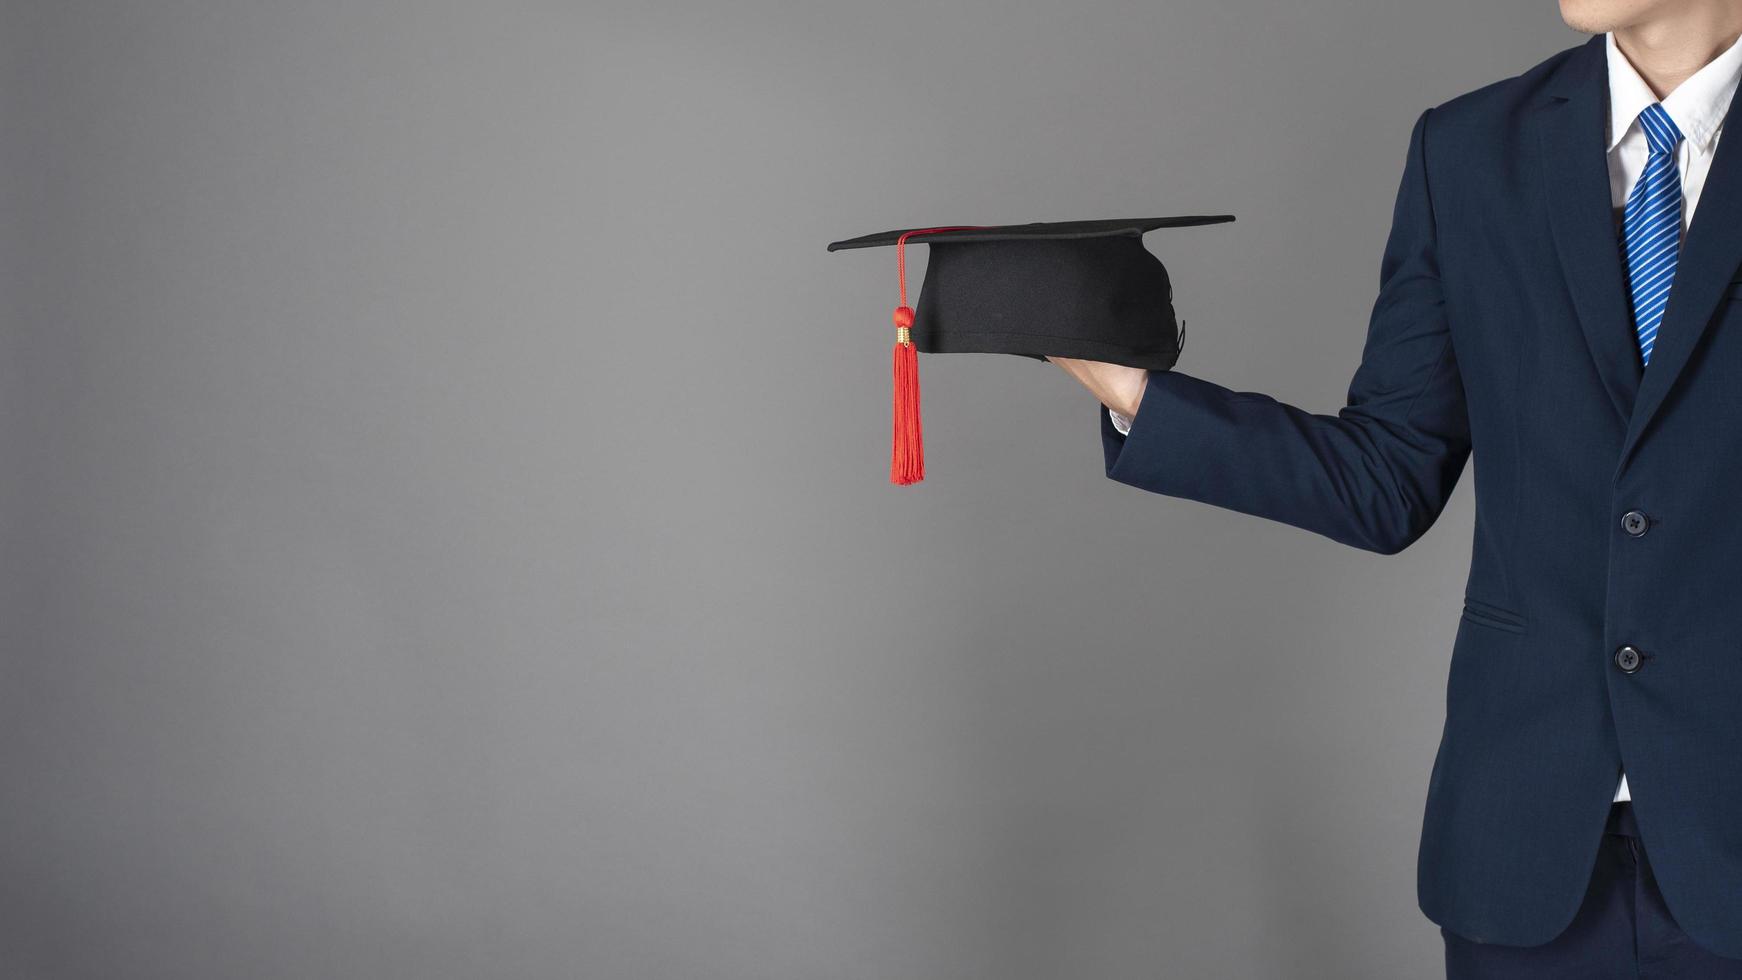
x=1085 y=289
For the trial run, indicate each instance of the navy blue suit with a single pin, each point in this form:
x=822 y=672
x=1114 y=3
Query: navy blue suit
x=1503 y=328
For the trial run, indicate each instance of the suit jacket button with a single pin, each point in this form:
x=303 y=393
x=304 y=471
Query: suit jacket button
x=1635 y=523
x=1628 y=660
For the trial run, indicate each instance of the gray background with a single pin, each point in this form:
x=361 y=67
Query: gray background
x=444 y=507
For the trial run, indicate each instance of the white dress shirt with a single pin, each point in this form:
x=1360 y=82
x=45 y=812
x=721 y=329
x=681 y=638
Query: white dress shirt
x=1697 y=105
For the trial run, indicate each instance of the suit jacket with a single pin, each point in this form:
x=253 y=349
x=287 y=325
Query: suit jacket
x=1503 y=328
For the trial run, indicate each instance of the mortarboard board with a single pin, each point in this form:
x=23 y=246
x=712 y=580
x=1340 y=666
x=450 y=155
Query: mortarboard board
x=1085 y=289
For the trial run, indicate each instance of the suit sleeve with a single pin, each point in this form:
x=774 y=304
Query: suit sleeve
x=1377 y=473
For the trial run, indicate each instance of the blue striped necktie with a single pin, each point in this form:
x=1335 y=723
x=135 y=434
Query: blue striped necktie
x=1651 y=227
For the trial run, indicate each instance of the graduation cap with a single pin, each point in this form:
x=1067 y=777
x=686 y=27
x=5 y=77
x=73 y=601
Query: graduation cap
x=1085 y=289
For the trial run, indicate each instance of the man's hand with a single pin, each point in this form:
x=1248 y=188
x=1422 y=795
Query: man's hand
x=1118 y=387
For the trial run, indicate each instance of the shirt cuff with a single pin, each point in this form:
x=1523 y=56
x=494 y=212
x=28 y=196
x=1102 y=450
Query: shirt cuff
x=1120 y=422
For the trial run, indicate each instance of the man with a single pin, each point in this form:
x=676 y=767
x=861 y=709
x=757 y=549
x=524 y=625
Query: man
x=1561 y=294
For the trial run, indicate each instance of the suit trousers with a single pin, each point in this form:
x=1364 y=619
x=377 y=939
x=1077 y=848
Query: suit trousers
x=1623 y=929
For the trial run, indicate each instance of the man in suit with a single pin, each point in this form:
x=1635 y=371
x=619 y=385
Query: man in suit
x=1561 y=294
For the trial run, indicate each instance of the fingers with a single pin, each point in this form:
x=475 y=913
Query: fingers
x=1073 y=367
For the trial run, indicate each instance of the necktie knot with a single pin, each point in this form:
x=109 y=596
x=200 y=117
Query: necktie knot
x=1660 y=130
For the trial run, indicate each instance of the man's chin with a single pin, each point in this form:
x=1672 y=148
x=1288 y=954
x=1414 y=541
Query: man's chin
x=1596 y=16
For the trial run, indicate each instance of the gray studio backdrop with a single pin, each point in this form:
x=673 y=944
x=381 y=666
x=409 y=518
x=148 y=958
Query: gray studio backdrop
x=445 y=528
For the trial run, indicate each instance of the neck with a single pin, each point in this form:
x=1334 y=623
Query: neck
x=1669 y=47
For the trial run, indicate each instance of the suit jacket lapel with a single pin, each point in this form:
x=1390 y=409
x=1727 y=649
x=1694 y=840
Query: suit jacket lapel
x=1709 y=258
x=1575 y=174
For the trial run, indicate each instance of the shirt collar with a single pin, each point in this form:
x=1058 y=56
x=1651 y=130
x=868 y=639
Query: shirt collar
x=1697 y=105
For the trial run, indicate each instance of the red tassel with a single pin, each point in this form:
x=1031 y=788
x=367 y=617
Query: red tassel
x=907 y=448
